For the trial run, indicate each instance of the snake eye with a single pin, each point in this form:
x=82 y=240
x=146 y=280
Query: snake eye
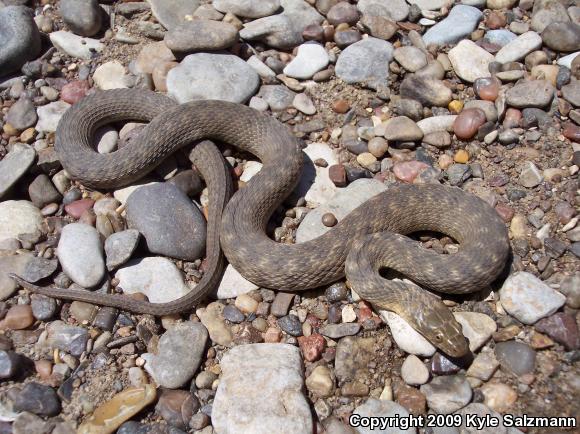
x=438 y=337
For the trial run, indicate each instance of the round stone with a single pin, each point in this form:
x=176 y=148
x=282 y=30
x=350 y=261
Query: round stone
x=467 y=123
x=82 y=16
x=81 y=254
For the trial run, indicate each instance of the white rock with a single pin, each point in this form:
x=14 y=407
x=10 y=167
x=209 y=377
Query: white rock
x=18 y=217
x=156 y=277
x=470 y=61
x=49 y=115
x=233 y=284
x=123 y=194
x=437 y=123
x=348 y=314
x=429 y=5
x=311 y=58
x=382 y=409
x=74 y=45
x=414 y=372
x=260 y=67
x=250 y=169
x=110 y=75
x=477 y=327
x=519 y=47
x=567 y=60
x=261 y=391
x=315 y=184
x=304 y=104
x=80 y=254
x=528 y=299
x=341 y=204
x=406 y=337
x=106 y=138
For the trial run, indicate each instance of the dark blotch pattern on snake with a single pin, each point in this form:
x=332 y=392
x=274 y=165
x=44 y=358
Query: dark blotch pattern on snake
x=369 y=238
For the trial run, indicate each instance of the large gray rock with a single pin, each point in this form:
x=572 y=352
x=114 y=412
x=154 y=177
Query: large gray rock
x=14 y=165
x=80 y=254
x=19 y=38
x=201 y=35
x=170 y=223
x=171 y=13
x=22 y=114
x=212 y=76
x=562 y=36
x=82 y=16
x=461 y=21
x=366 y=62
x=248 y=8
x=179 y=354
x=120 y=246
x=396 y=10
x=75 y=46
x=18 y=217
x=247 y=403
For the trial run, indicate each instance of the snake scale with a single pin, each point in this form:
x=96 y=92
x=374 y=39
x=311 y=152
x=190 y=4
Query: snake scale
x=370 y=238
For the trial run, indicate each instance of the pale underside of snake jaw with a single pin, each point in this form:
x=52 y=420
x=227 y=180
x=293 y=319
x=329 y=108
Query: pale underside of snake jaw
x=402 y=209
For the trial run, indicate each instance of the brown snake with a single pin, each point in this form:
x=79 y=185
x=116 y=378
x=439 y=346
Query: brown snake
x=371 y=235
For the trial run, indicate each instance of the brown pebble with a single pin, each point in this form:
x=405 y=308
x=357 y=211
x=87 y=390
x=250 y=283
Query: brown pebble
x=495 y=20
x=572 y=132
x=340 y=106
x=487 y=88
x=513 y=118
x=329 y=220
x=337 y=174
x=18 y=317
x=467 y=122
x=78 y=207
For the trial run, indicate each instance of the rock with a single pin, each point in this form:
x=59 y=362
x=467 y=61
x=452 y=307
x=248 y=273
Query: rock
x=291 y=325
x=427 y=91
x=414 y=372
x=82 y=16
x=246 y=8
x=151 y=56
x=516 y=357
x=388 y=410
x=379 y=27
x=211 y=317
x=447 y=394
x=170 y=223
x=311 y=58
x=18 y=317
x=364 y=62
x=201 y=35
x=410 y=58
x=315 y=184
x=177 y=407
x=18 y=217
x=396 y=10
x=567 y=60
x=342 y=12
x=406 y=337
x=530 y=176
x=342 y=203
x=484 y=366
x=106 y=138
x=429 y=5
x=304 y=104
x=546 y=12
x=19 y=38
x=562 y=328
x=203 y=76
x=477 y=327
x=171 y=13
x=110 y=75
x=277 y=96
x=80 y=254
x=49 y=115
x=461 y=21
x=10 y=364
x=320 y=382
x=562 y=36
x=244 y=403
x=27 y=266
x=519 y=48
x=571 y=92
x=179 y=354
x=470 y=61
x=158 y=278
x=437 y=123
x=38 y=399
x=74 y=91
x=13 y=166
x=468 y=122
x=42 y=191
x=233 y=284
x=75 y=46
x=500 y=37
x=119 y=247
x=336 y=331
x=528 y=299
x=108 y=416
x=403 y=129
x=22 y=114
x=535 y=93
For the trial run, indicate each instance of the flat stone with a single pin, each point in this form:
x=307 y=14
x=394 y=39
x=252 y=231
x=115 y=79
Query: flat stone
x=247 y=8
x=315 y=184
x=18 y=217
x=429 y=5
x=447 y=394
x=38 y=399
x=80 y=254
x=311 y=58
x=546 y=12
x=414 y=372
x=27 y=266
x=516 y=357
x=19 y=38
x=82 y=16
x=534 y=93
x=201 y=35
x=171 y=13
x=561 y=36
x=119 y=247
x=411 y=58
x=49 y=115
x=13 y=166
x=384 y=409
x=336 y=331
x=519 y=48
x=528 y=299
x=71 y=339
x=437 y=123
x=168 y=220
x=571 y=92
x=22 y=114
x=212 y=76
x=401 y=128
x=342 y=203
x=233 y=284
x=530 y=175
x=396 y=10
x=461 y=21
x=470 y=61
x=245 y=403
x=477 y=327
x=406 y=337
x=179 y=354
x=158 y=278
x=213 y=319
x=75 y=46
x=110 y=75
x=500 y=37
x=365 y=62
x=428 y=91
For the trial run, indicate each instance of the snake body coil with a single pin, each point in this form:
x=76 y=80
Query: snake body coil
x=372 y=233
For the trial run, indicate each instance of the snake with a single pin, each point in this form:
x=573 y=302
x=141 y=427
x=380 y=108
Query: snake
x=370 y=239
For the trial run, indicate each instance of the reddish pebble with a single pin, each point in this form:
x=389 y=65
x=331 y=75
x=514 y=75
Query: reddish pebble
x=572 y=132
x=495 y=20
x=407 y=171
x=74 y=91
x=340 y=106
x=562 y=328
x=513 y=118
x=272 y=335
x=312 y=346
x=337 y=174
x=364 y=312
x=467 y=123
x=505 y=212
x=487 y=88
x=78 y=207
x=18 y=317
